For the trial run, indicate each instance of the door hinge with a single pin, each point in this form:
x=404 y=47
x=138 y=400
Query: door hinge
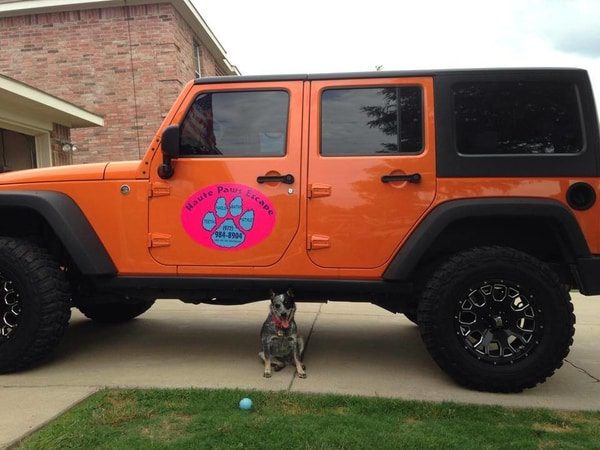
x=318 y=241
x=316 y=190
x=158 y=189
x=158 y=240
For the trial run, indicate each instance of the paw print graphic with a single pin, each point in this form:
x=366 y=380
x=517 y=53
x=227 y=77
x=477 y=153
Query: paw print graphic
x=228 y=223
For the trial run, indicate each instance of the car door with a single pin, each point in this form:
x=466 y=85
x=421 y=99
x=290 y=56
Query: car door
x=371 y=167
x=234 y=197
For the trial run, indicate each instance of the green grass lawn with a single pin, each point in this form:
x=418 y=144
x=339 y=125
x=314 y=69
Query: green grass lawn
x=136 y=419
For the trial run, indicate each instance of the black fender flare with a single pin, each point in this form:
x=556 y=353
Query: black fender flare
x=426 y=232
x=68 y=223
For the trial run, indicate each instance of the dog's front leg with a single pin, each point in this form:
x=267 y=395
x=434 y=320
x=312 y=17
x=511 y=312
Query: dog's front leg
x=297 y=361
x=267 y=359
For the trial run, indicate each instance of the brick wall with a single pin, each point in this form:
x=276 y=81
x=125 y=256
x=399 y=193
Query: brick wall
x=125 y=63
x=59 y=135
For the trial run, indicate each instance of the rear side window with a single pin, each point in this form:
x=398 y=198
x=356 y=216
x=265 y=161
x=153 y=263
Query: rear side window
x=516 y=118
x=249 y=123
x=371 y=121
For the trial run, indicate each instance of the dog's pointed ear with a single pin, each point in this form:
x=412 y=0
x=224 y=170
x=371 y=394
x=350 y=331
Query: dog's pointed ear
x=290 y=292
x=272 y=293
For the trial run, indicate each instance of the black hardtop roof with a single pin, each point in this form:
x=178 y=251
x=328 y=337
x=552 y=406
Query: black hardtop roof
x=384 y=74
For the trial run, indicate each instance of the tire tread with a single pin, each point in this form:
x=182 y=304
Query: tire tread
x=115 y=311
x=477 y=257
x=51 y=289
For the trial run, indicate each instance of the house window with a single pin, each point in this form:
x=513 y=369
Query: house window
x=197 y=60
x=17 y=151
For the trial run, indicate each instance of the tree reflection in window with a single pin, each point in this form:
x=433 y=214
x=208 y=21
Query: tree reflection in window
x=367 y=121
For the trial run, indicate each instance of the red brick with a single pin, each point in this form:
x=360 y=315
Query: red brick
x=94 y=58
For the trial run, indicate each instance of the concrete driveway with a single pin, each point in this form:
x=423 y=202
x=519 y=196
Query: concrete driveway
x=352 y=349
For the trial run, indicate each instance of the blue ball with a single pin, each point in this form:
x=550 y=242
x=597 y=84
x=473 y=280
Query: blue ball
x=246 y=404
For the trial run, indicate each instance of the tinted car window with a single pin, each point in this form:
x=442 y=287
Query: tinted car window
x=371 y=121
x=250 y=123
x=517 y=118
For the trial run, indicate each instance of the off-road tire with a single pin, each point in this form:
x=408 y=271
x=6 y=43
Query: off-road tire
x=412 y=316
x=448 y=290
x=423 y=276
x=117 y=311
x=44 y=299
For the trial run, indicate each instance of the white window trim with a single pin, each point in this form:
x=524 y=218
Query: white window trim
x=43 y=147
x=43 y=150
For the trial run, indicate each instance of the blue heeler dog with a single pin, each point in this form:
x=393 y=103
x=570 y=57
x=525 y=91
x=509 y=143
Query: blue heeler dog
x=279 y=338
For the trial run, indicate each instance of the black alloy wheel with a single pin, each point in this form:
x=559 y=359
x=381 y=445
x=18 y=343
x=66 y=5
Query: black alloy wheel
x=498 y=323
x=496 y=319
x=10 y=307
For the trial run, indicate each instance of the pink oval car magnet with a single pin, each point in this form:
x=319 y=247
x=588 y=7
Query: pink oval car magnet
x=228 y=216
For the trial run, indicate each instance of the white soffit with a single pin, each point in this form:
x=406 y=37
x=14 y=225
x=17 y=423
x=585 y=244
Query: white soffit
x=19 y=99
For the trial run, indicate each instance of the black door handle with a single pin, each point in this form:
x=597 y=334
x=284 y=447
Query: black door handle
x=411 y=178
x=287 y=179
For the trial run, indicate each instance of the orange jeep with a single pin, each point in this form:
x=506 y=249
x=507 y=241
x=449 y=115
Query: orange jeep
x=463 y=199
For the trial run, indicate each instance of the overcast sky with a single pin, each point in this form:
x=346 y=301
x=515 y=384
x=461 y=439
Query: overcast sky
x=278 y=36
